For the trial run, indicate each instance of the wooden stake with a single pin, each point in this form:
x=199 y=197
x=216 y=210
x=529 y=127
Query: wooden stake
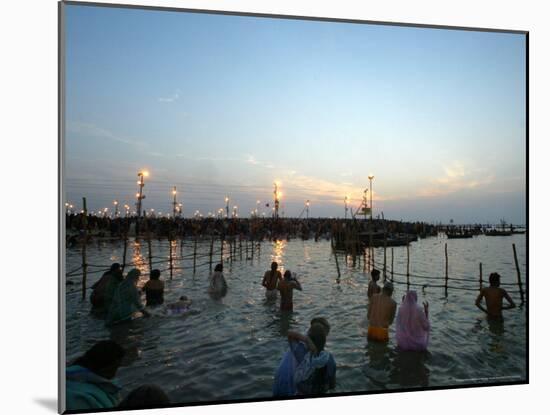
x=241 y=249
x=149 y=245
x=221 y=251
x=336 y=259
x=171 y=259
x=518 y=274
x=446 y=270
x=480 y=276
x=84 y=243
x=211 y=251
x=408 y=261
x=124 y=251
x=391 y=277
x=195 y=256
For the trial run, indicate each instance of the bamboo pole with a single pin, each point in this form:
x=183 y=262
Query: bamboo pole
x=446 y=271
x=518 y=274
x=241 y=249
x=149 y=245
x=391 y=277
x=336 y=259
x=124 y=251
x=84 y=243
x=171 y=259
x=195 y=255
x=252 y=250
x=221 y=251
x=211 y=252
x=480 y=276
x=408 y=262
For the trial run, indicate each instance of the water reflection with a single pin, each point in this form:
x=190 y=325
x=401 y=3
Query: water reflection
x=278 y=253
x=388 y=366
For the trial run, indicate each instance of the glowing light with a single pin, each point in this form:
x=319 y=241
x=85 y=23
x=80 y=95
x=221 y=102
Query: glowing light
x=145 y=173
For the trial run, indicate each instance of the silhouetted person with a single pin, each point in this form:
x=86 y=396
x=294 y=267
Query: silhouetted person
x=271 y=280
x=154 y=289
x=381 y=313
x=493 y=298
x=146 y=396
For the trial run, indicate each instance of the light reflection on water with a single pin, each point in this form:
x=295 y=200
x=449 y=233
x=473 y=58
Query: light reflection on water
x=230 y=349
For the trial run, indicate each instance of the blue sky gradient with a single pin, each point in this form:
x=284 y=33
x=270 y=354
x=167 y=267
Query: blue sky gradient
x=224 y=105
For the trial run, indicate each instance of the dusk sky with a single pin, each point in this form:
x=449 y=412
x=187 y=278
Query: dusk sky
x=225 y=105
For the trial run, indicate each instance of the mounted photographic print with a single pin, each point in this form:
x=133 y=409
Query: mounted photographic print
x=258 y=207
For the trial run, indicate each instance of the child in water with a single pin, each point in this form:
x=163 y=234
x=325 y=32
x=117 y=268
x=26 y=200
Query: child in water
x=183 y=305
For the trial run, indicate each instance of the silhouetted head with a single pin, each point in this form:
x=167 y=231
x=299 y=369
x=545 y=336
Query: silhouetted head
x=318 y=336
x=388 y=289
x=375 y=274
x=103 y=358
x=133 y=275
x=494 y=279
x=288 y=275
x=155 y=274
x=323 y=322
x=274 y=266
x=219 y=268
x=115 y=267
x=146 y=396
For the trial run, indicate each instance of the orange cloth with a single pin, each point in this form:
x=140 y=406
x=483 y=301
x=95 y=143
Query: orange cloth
x=378 y=333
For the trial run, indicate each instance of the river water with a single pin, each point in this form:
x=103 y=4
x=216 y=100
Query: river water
x=229 y=348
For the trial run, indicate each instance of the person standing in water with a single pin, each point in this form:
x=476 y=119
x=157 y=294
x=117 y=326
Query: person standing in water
x=412 y=327
x=374 y=288
x=286 y=287
x=381 y=313
x=271 y=280
x=154 y=289
x=493 y=299
x=218 y=285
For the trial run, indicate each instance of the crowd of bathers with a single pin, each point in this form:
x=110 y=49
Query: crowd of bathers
x=306 y=368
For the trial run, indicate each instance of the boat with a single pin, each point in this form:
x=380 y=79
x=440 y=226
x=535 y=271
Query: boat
x=459 y=235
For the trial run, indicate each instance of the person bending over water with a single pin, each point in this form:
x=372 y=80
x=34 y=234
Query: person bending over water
x=374 y=288
x=493 y=298
x=381 y=313
x=322 y=379
x=89 y=383
x=154 y=289
x=218 y=285
x=271 y=280
x=126 y=300
x=100 y=288
x=286 y=287
x=412 y=328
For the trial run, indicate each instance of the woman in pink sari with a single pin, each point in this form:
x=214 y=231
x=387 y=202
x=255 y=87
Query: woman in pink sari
x=412 y=329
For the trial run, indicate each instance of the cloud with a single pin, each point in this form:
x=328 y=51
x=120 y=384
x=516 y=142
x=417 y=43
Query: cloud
x=90 y=129
x=457 y=177
x=172 y=98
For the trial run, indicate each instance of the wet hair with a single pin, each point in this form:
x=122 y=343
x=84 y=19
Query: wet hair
x=184 y=298
x=274 y=266
x=317 y=335
x=388 y=288
x=494 y=279
x=219 y=268
x=146 y=396
x=288 y=274
x=115 y=266
x=375 y=274
x=322 y=321
x=102 y=355
x=155 y=274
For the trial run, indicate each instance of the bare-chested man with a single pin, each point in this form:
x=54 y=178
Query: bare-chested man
x=493 y=298
x=271 y=280
x=381 y=313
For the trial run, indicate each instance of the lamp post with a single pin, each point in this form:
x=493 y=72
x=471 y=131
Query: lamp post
x=226 y=207
x=180 y=209
x=371 y=177
x=174 y=203
x=346 y=200
x=234 y=215
x=277 y=195
x=307 y=209
x=115 y=202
